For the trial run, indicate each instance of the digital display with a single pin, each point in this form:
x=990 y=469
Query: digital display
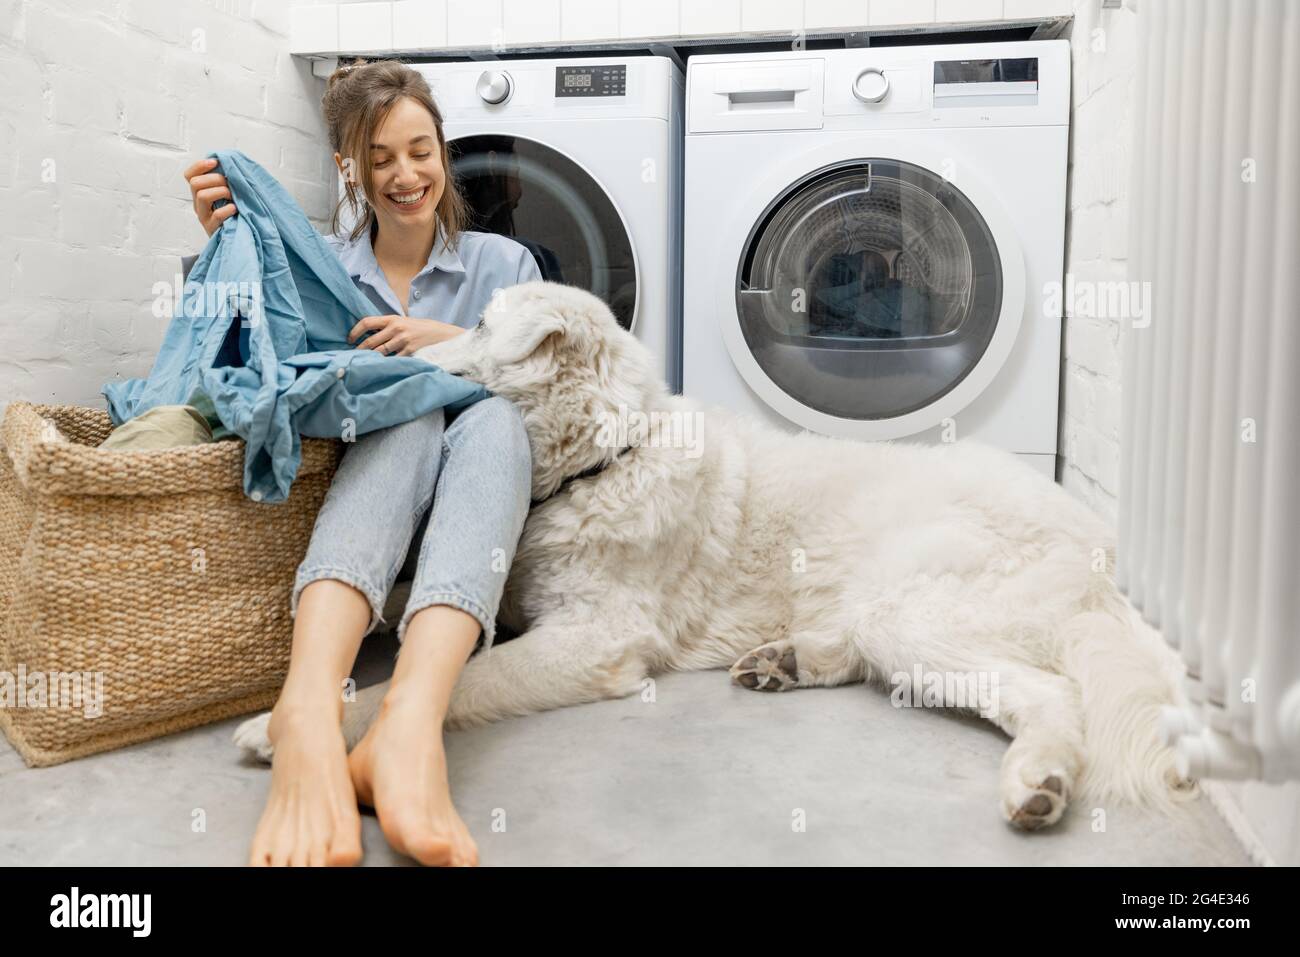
x=1017 y=70
x=609 y=79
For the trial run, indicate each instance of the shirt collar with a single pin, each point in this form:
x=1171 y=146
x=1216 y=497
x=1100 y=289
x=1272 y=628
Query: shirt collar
x=358 y=257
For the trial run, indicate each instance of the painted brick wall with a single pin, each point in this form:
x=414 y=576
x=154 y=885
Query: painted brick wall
x=1104 y=55
x=102 y=104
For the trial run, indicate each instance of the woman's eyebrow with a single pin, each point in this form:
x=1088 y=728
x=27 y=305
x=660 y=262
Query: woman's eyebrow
x=414 y=140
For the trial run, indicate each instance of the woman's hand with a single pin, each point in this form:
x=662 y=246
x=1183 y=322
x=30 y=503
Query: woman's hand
x=401 y=335
x=207 y=187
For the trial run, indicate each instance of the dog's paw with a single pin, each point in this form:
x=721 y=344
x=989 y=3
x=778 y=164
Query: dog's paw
x=770 y=667
x=252 y=737
x=1031 y=808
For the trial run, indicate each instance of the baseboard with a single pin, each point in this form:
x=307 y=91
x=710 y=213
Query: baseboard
x=1230 y=812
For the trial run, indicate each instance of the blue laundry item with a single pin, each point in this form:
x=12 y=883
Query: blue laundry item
x=263 y=332
x=854 y=296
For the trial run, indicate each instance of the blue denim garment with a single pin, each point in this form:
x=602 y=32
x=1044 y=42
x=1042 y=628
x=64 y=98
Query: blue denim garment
x=327 y=395
x=265 y=304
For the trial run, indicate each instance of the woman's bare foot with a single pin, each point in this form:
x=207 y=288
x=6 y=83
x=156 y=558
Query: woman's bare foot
x=311 y=815
x=399 y=768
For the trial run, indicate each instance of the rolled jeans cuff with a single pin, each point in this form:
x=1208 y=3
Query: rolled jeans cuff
x=374 y=594
x=466 y=604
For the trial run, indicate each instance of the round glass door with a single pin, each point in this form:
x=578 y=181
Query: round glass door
x=869 y=289
x=543 y=200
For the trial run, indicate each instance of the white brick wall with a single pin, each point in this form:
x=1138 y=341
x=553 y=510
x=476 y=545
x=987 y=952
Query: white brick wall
x=1103 y=49
x=102 y=104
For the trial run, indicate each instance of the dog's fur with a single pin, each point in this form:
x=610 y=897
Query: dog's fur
x=796 y=561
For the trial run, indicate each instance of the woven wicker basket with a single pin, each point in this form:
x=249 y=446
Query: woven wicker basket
x=148 y=569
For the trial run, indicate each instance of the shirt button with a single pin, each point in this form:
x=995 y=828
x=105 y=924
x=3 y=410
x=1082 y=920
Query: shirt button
x=415 y=293
x=338 y=373
x=255 y=495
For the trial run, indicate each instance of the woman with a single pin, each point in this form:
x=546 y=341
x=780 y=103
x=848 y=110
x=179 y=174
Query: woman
x=459 y=491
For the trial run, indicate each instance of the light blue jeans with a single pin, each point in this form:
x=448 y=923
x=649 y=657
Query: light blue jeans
x=376 y=519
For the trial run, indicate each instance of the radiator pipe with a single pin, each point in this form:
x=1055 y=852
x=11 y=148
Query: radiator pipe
x=1212 y=754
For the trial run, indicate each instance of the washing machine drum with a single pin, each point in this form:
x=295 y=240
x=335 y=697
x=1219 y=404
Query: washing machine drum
x=542 y=199
x=869 y=289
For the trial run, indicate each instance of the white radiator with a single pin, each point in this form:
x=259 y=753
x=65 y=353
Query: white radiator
x=1209 y=518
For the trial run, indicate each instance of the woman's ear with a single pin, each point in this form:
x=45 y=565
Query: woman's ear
x=523 y=334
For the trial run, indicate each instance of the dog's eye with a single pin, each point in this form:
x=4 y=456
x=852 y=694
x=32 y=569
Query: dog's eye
x=482 y=326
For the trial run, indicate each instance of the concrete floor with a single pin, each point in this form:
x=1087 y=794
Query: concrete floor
x=708 y=773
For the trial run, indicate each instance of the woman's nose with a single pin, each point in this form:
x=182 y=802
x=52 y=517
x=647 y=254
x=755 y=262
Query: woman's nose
x=406 y=172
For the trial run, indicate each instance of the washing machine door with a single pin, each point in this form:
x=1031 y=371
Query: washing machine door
x=873 y=298
x=539 y=197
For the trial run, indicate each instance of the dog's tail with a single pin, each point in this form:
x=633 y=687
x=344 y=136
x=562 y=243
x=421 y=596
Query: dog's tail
x=1127 y=674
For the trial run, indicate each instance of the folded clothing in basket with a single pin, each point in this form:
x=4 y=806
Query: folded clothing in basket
x=162 y=427
x=263 y=332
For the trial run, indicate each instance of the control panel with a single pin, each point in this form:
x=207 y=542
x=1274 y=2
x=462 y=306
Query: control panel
x=600 y=80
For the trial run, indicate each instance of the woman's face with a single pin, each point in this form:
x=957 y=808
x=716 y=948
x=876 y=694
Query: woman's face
x=407 y=177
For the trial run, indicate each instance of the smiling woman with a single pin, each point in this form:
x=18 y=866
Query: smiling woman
x=430 y=280
x=408 y=216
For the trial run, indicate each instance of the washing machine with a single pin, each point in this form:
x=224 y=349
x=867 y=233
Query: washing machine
x=579 y=159
x=874 y=240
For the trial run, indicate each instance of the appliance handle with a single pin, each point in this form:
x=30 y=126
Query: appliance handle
x=776 y=83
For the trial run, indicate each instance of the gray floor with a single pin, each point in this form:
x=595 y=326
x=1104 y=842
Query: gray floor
x=707 y=773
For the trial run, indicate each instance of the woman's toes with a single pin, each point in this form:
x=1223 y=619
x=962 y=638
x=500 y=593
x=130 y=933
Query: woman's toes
x=413 y=806
x=259 y=855
x=311 y=817
x=268 y=838
x=465 y=853
x=431 y=850
x=285 y=848
x=343 y=849
x=344 y=852
x=409 y=834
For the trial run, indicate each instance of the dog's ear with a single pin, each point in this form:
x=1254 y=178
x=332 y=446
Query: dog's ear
x=524 y=335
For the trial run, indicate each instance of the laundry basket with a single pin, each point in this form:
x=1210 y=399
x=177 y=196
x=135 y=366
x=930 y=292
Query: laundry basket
x=141 y=592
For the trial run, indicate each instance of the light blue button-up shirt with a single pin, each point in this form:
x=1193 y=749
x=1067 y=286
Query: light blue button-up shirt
x=455 y=285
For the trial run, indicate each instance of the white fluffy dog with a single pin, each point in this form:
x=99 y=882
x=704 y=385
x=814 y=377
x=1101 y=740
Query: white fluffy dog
x=671 y=537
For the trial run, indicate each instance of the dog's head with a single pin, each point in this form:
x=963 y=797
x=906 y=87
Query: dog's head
x=558 y=353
